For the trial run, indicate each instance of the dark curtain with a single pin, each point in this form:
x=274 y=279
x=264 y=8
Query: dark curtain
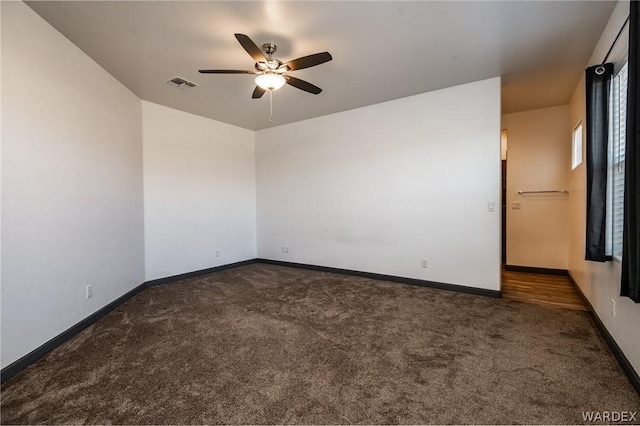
x=630 y=285
x=598 y=82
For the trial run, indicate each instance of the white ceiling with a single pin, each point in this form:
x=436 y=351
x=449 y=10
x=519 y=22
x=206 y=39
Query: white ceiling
x=382 y=50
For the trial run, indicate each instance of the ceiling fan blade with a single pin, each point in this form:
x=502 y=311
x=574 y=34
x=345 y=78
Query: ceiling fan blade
x=250 y=47
x=258 y=92
x=302 y=85
x=309 y=61
x=226 y=72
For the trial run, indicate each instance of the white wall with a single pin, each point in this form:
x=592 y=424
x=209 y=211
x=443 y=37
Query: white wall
x=72 y=206
x=199 y=192
x=538 y=158
x=600 y=282
x=378 y=188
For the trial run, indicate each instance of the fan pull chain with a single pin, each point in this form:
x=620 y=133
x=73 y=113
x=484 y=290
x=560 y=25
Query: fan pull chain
x=271 y=105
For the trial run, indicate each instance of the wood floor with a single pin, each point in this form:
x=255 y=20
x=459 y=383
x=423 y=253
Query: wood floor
x=550 y=290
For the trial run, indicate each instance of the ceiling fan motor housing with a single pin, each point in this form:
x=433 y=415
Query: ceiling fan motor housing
x=271 y=65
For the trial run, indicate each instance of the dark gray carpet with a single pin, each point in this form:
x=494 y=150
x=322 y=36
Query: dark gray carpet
x=263 y=344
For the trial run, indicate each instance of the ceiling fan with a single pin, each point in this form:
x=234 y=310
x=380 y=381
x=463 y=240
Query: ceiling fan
x=271 y=72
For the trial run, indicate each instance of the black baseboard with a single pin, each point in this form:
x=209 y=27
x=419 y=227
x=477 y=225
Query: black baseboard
x=14 y=368
x=194 y=274
x=626 y=366
x=532 y=270
x=403 y=280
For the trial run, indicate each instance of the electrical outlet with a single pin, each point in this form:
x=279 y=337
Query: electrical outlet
x=424 y=263
x=89 y=290
x=286 y=249
x=613 y=307
x=491 y=207
x=217 y=253
x=516 y=206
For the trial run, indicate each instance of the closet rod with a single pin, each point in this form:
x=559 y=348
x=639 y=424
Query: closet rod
x=564 y=191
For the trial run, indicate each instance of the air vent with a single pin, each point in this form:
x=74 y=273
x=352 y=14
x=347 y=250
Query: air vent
x=180 y=82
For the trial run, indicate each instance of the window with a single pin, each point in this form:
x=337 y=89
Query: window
x=576 y=149
x=616 y=155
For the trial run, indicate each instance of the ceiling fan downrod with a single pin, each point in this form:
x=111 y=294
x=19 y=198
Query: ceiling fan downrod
x=269 y=49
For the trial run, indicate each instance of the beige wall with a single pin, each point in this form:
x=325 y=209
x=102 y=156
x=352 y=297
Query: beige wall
x=600 y=282
x=538 y=158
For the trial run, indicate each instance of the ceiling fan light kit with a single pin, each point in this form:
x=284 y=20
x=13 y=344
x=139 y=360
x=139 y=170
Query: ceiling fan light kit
x=270 y=81
x=271 y=72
